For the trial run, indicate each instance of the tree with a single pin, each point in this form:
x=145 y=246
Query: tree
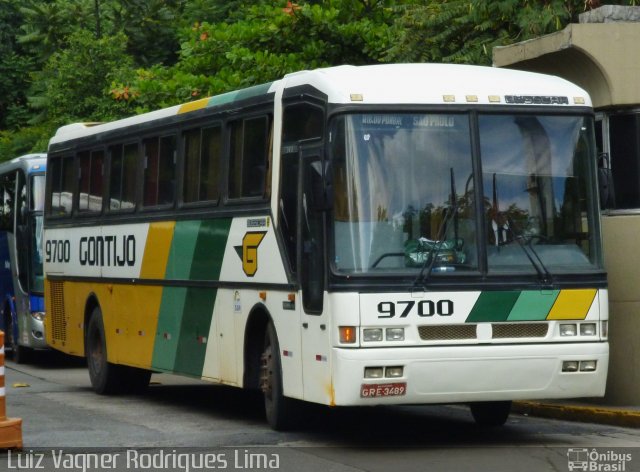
x=466 y=31
x=14 y=69
x=76 y=80
x=150 y=26
x=263 y=43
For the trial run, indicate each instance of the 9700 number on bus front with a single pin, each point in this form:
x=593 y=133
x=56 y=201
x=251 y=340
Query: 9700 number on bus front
x=383 y=390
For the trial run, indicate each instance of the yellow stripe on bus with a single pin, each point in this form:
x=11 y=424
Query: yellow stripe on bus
x=572 y=304
x=156 y=252
x=193 y=106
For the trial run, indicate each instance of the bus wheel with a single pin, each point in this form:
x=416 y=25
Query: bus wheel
x=21 y=354
x=105 y=377
x=491 y=413
x=278 y=408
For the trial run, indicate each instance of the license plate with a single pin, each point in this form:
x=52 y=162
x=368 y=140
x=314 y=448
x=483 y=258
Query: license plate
x=383 y=390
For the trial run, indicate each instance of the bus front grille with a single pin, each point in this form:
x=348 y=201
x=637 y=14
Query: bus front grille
x=456 y=332
x=520 y=330
x=447 y=332
x=58 y=320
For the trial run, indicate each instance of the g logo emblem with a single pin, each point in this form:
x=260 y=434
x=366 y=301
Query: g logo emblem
x=248 y=252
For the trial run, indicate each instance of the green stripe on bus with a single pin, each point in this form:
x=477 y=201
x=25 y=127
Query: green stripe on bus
x=493 y=306
x=168 y=331
x=172 y=306
x=197 y=251
x=194 y=331
x=198 y=308
x=209 y=250
x=237 y=95
x=533 y=305
x=183 y=245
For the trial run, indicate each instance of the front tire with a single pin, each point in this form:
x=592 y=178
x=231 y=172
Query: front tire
x=278 y=408
x=21 y=354
x=491 y=413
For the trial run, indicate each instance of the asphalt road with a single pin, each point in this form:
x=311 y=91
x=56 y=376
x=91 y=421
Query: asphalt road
x=226 y=425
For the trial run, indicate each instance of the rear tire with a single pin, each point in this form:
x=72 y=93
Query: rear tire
x=280 y=410
x=491 y=413
x=105 y=377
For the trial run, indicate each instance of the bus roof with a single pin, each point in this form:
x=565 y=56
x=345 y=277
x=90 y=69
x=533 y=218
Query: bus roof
x=29 y=163
x=385 y=84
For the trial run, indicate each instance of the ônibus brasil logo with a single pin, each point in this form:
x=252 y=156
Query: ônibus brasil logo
x=582 y=458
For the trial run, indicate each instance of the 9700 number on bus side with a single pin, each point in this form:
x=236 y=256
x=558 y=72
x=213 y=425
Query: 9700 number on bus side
x=57 y=250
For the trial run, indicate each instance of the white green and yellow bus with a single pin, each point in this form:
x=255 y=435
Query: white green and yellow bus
x=375 y=235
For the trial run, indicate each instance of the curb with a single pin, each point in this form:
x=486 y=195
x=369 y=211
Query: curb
x=587 y=414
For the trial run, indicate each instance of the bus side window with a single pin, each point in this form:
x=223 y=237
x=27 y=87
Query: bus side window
x=122 y=175
x=63 y=180
x=7 y=199
x=90 y=192
x=160 y=170
x=249 y=157
x=202 y=148
x=151 y=169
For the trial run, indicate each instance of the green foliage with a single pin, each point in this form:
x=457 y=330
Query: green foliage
x=14 y=69
x=47 y=25
x=77 y=79
x=465 y=31
x=24 y=140
x=150 y=26
x=98 y=60
x=264 y=43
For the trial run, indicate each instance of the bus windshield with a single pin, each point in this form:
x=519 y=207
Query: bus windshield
x=405 y=193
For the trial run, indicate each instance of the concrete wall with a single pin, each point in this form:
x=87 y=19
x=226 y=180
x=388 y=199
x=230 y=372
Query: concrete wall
x=622 y=259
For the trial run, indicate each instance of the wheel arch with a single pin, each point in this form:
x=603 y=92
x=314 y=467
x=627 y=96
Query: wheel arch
x=254 y=332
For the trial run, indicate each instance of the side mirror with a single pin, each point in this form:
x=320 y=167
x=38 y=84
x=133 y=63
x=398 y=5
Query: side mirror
x=605 y=182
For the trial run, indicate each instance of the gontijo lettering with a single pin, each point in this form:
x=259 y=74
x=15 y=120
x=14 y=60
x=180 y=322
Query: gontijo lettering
x=108 y=251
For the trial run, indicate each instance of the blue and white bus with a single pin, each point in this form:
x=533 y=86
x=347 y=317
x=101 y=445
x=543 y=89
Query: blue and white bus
x=21 y=278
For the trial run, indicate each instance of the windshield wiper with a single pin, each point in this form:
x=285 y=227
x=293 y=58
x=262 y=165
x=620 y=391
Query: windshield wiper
x=545 y=276
x=452 y=209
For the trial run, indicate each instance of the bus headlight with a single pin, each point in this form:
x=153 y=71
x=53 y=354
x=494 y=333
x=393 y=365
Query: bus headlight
x=588 y=329
x=570 y=366
x=38 y=315
x=588 y=366
x=372 y=334
x=373 y=372
x=395 y=334
x=568 y=329
x=393 y=372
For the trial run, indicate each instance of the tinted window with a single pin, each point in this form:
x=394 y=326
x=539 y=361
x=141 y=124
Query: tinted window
x=249 y=163
x=202 y=162
x=90 y=193
x=123 y=176
x=624 y=138
x=159 y=172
